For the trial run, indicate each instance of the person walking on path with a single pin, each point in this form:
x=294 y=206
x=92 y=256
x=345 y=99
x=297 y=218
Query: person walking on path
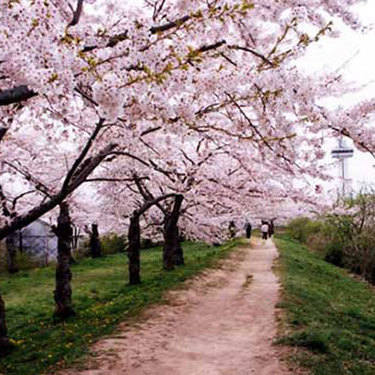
x=232 y=229
x=248 y=229
x=264 y=229
x=271 y=230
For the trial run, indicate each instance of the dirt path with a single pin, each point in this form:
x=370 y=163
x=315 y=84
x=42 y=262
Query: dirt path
x=223 y=324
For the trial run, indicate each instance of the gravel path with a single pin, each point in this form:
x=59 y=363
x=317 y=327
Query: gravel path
x=222 y=324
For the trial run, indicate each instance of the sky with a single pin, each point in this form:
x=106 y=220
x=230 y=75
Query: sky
x=354 y=52
x=362 y=70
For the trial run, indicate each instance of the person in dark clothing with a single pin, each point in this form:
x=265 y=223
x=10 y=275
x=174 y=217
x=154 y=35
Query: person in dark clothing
x=271 y=230
x=248 y=229
x=232 y=229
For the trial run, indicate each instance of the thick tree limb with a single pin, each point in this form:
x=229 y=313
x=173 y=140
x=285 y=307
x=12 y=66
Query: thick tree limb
x=3 y=201
x=87 y=168
x=169 y=25
x=149 y=204
x=83 y=154
x=77 y=14
x=3 y=131
x=146 y=194
x=210 y=47
x=54 y=200
x=16 y=95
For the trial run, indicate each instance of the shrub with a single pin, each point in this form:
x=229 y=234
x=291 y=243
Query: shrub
x=335 y=254
x=113 y=243
x=148 y=243
x=345 y=237
x=24 y=261
x=297 y=229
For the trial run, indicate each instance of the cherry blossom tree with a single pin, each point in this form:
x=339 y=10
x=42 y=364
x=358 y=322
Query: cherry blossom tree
x=100 y=88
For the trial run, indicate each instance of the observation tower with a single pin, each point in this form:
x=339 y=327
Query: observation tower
x=343 y=152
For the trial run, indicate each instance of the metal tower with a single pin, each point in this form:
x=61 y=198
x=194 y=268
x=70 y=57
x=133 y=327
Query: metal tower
x=343 y=152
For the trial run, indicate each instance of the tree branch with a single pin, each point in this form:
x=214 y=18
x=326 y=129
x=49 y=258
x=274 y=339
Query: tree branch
x=83 y=154
x=346 y=133
x=87 y=168
x=14 y=203
x=77 y=14
x=38 y=184
x=110 y=179
x=255 y=53
x=3 y=131
x=209 y=47
x=54 y=200
x=124 y=153
x=169 y=25
x=150 y=130
x=3 y=200
x=15 y=95
x=149 y=204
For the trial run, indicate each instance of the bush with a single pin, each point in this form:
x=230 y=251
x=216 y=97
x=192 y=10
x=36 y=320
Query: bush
x=346 y=237
x=335 y=254
x=24 y=261
x=113 y=243
x=297 y=229
x=306 y=230
x=148 y=243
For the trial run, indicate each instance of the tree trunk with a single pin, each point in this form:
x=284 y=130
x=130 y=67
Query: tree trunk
x=63 y=291
x=95 y=247
x=171 y=234
x=178 y=254
x=11 y=253
x=134 y=237
x=5 y=345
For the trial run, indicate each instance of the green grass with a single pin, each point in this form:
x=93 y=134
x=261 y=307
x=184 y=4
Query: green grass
x=101 y=298
x=329 y=315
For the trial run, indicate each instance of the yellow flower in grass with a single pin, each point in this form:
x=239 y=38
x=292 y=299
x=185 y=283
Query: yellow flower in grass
x=16 y=342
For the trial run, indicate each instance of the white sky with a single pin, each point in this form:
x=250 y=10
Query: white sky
x=357 y=50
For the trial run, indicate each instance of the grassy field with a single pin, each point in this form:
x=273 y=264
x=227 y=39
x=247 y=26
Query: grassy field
x=101 y=297
x=329 y=316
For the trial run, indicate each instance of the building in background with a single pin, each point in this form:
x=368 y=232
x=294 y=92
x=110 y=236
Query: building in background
x=37 y=240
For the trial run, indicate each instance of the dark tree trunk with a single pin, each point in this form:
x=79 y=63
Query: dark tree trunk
x=178 y=254
x=95 y=247
x=20 y=241
x=63 y=291
x=171 y=234
x=75 y=237
x=5 y=345
x=11 y=253
x=134 y=237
